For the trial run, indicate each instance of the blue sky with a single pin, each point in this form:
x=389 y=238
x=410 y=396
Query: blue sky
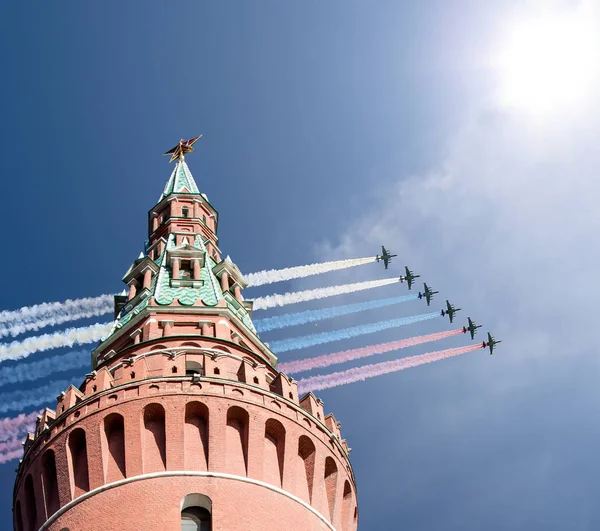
x=331 y=128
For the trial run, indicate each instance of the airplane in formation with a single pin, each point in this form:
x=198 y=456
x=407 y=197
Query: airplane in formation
x=409 y=277
x=428 y=294
x=386 y=256
x=450 y=310
x=472 y=328
x=491 y=343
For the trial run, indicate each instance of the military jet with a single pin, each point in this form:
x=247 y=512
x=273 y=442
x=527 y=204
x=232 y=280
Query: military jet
x=386 y=256
x=491 y=343
x=409 y=277
x=450 y=310
x=472 y=328
x=428 y=294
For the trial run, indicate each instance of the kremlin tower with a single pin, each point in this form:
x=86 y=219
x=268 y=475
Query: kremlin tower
x=184 y=422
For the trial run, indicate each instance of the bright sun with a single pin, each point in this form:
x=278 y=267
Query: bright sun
x=550 y=63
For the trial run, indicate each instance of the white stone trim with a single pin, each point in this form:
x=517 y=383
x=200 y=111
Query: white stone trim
x=153 y=475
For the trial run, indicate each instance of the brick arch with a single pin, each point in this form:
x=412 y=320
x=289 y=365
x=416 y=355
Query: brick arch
x=236 y=441
x=347 y=507
x=307 y=452
x=154 y=443
x=191 y=344
x=113 y=447
x=274 y=452
x=196 y=436
x=30 y=507
x=18 y=517
x=330 y=476
x=221 y=348
x=49 y=482
x=80 y=482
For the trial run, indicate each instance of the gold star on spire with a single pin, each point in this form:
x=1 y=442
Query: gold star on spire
x=184 y=146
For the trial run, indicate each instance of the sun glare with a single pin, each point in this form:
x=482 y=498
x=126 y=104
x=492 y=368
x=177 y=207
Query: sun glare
x=550 y=63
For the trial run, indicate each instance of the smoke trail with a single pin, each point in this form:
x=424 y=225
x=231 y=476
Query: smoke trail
x=49 y=310
x=67 y=338
x=11 y=427
x=38 y=369
x=296 y=343
x=282 y=299
x=14 y=444
x=279 y=275
x=309 y=316
x=16 y=454
x=33 y=325
x=326 y=381
x=293 y=367
x=17 y=400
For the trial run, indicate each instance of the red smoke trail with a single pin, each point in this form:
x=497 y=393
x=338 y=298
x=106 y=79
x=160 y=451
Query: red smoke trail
x=18 y=426
x=292 y=367
x=326 y=381
x=15 y=454
x=11 y=445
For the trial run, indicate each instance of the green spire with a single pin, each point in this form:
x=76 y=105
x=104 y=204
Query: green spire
x=181 y=181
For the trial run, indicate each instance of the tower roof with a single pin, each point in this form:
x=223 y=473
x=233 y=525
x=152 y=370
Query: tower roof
x=181 y=181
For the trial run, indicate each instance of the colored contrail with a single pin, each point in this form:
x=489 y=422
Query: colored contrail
x=309 y=316
x=15 y=322
x=31 y=318
x=18 y=400
x=35 y=370
x=279 y=275
x=12 y=444
x=307 y=364
x=15 y=454
x=296 y=343
x=11 y=427
x=327 y=381
x=73 y=336
x=283 y=299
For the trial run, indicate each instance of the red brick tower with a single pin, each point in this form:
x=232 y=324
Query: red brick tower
x=184 y=422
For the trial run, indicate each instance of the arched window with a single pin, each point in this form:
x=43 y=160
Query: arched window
x=196 y=513
x=113 y=442
x=154 y=439
x=50 y=484
x=330 y=476
x=196 y=436
x=192 y=367
x=30 y=507
x=306 y=451
x=79 y=466
x=18 y=517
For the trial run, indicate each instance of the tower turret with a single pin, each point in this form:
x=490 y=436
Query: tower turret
x=184 y=421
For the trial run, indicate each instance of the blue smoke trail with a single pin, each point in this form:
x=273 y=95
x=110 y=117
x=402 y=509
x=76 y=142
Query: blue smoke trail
x=20 y=400
x=28 y=372
x=309 y=316
x=296 y=343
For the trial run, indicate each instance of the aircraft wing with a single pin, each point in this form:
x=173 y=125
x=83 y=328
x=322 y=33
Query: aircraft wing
x=385 y=261
x=383 y=251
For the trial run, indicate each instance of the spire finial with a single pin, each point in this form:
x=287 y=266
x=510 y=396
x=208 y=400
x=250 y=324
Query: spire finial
x=184 y=146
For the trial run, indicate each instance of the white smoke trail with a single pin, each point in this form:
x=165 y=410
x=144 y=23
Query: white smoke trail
x=21 y=399
x=46 y=310
x=67 y=338
x=38 y=369
x=282 y=299
x=60 y=317
x=279 y=275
